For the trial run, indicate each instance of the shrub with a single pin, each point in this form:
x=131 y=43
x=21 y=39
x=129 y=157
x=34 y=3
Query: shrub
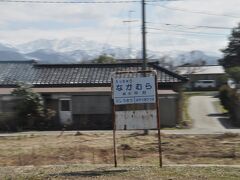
x=224 y=95
x=234 y=73
x=221 y=80
x=230 y=100
x=30 y=111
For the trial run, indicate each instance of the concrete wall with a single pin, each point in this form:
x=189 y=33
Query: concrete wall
x=1 y=104
x=7 y=103
x=91 y=104
x=168 y=110
x=94 y=110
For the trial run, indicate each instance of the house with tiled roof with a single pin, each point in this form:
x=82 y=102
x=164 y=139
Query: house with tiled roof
x=81 y=93
x=203 y=74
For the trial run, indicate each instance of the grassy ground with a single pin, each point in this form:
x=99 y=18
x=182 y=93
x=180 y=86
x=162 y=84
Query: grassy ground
x=133 y=148
x=219 y=107
x=137 y=156
x=122 y=172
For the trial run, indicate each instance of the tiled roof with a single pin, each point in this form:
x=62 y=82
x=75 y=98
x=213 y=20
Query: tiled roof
x=73 y=75
x=185 y=70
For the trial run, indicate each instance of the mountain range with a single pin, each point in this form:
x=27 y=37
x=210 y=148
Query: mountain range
x=78 y=50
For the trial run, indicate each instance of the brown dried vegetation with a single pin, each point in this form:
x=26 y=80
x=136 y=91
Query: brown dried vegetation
x=97 y=148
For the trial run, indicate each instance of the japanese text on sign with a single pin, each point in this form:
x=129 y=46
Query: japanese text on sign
x=134 y=90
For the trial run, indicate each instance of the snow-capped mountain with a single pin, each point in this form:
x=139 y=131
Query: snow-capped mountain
x=11 y=56
x=7 y=47
x=8 y=52
x=75 y=50
x=49 y=56
x=64 y=45
x=194 y=57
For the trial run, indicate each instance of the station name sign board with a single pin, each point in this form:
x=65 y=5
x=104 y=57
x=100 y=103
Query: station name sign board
x=134 y=90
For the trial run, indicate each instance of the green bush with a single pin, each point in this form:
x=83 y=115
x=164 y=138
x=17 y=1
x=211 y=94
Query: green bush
x=30 y=111
x=234 y=73
x=221 y=80
x=224 y=95
x=230 y=100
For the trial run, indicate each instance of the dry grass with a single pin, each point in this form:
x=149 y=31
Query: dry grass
x=133 y=149
x=29 y=156
x=122 y=172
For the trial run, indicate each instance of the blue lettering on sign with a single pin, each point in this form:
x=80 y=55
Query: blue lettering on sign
x=128 y=87
x=149 y=99
x=148 y=86
x=144 y=92
x=134 y=90
x=139 y=86
x=119 y=87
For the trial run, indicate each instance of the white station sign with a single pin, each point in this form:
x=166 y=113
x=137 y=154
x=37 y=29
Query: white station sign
x=134 y=90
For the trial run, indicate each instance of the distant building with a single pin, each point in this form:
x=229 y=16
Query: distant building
x=196 y=74
x=81 y=93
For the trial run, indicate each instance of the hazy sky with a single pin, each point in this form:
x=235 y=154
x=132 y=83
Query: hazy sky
x=104 y=23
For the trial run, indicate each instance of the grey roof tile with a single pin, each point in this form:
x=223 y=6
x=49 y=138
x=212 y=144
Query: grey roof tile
x=57 y=75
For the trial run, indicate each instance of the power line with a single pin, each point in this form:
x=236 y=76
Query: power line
x=79 y=2
x=192 y=26
x=180 y=34
x=190 y=32
x=195 y=12
x=112 y=29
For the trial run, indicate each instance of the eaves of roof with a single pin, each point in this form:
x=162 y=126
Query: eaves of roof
x=74 y=75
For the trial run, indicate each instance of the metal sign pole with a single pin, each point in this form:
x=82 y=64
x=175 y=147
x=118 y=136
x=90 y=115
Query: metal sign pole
x=114 y=130
x=158 y=124
x=114 y=140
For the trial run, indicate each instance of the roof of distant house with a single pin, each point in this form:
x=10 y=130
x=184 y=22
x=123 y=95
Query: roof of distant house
x=185 y=70
x=74 y=75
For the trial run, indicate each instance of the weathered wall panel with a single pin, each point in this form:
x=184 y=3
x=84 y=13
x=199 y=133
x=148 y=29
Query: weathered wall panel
x=92 y=121
x=91 y=104
x=139 y=119
x=8 y=103
x=168 y=111
x=1 y=104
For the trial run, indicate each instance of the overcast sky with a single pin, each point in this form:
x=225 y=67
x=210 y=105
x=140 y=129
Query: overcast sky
x=104 y=23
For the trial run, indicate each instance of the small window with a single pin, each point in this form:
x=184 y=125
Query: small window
x=65 y=105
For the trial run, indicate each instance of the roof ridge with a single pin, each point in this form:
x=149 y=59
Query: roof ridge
x=18 y=62
x=200 y=66
x=79 y=75
x=170 y=72
x=94 y=64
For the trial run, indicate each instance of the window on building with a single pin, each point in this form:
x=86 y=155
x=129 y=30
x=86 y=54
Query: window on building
x=65 y=105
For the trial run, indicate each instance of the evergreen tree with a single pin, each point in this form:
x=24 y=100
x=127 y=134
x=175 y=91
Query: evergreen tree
x=102 y=59
x=31 y=113
x=232 y=51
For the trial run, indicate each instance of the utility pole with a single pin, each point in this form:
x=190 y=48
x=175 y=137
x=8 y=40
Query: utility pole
x=144 y=54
